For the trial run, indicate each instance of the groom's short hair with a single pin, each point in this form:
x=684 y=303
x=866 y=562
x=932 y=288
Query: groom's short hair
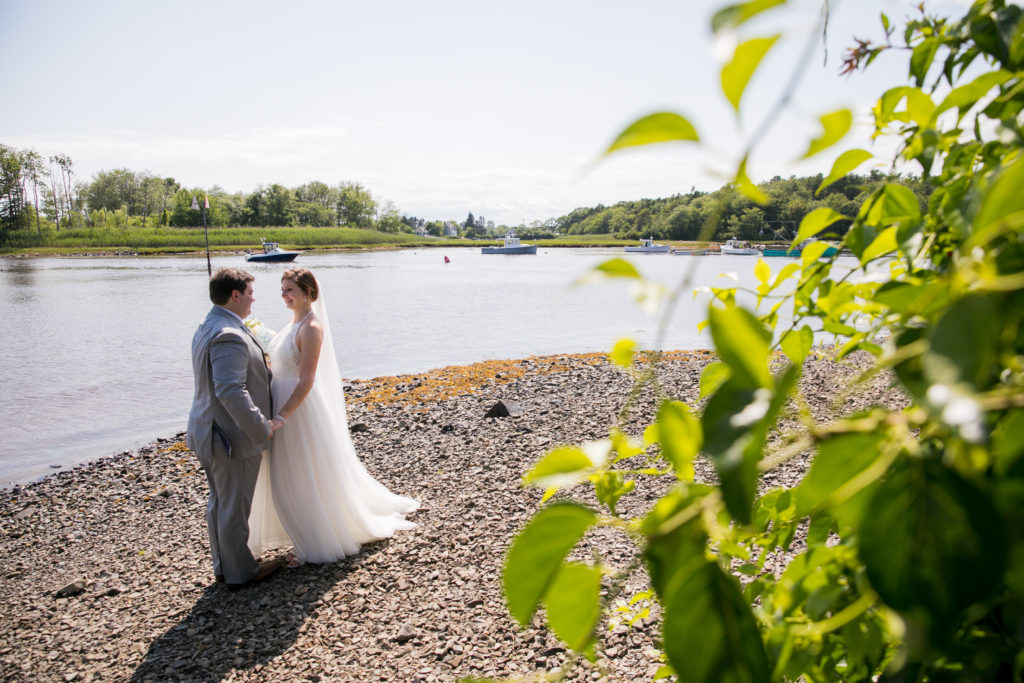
x=227 y=280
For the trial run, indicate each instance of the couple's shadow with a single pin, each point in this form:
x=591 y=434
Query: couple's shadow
x=239 y=630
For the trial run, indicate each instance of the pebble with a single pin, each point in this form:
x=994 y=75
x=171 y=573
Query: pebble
x=122 y=542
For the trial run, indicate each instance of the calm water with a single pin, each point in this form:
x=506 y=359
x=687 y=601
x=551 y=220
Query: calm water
x=95 y=352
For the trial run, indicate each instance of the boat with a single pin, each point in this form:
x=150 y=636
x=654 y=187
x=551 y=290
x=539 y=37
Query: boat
x=831 y=250
x=648 y=246
x=511 y=245
x=739 y=248
x=272 y=253
x=794 y=253
x=689 y=252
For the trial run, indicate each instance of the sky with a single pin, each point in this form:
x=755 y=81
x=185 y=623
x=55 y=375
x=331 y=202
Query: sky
x=442 y=107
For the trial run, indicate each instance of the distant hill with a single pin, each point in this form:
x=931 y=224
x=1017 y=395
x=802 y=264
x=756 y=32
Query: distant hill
x=683 y=216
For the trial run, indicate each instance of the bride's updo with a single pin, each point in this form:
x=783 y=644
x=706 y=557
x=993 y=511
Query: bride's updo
x=305 y=281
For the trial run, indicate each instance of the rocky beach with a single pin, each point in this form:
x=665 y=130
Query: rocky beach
x=107 y=576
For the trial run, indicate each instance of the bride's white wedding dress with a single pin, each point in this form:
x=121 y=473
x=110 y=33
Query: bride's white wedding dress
x=312 y=491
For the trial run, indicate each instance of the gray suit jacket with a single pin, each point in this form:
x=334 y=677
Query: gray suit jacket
x=232 y=392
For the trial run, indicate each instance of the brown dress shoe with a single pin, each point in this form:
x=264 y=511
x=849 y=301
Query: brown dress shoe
x=263 y=572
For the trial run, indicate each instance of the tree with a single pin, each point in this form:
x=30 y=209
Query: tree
x=63 y=188
x=388 y=218
x=13 y=215
x=911 y=565
x=356 y=206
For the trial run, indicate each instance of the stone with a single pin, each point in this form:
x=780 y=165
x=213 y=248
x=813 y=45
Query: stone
x=358 y=427
x=405 y=634
x=74 y=588
x=505 y=408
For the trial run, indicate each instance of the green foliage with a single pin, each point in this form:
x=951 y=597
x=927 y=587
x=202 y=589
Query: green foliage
x=787 y=203
x=910 y=563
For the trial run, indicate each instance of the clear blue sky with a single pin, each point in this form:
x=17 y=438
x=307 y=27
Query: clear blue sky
x=440 y=107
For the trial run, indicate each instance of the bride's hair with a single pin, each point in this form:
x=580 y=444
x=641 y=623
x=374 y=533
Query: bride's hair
x=305 y=281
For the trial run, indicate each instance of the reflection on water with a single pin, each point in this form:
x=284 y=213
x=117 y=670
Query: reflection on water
x=96 y=351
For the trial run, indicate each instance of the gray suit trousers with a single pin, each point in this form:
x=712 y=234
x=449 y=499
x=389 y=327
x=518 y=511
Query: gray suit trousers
x=232 y=482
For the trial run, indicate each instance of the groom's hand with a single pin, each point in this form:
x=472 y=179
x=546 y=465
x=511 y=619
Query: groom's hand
x=275 y=424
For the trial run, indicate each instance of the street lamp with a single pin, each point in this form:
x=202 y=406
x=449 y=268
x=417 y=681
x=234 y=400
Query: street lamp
x=206 y=231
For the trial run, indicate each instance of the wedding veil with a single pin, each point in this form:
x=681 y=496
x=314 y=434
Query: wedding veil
x=328 y=376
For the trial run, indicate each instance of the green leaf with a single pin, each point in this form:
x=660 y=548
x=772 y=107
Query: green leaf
x=712 y=377
x=562 y=466
x=894 y=204
x=731 y=441
x=835 y=126
x=819 y=529
x=708 y=630
x=966 y=96
x=573 y=604
x=617 y=267
x=1008 y=442
x=762 y=271
x=1003 y=199
x=921 y=59
x=623 y=352
x=610 y=486
x=840 y=459
x=742 y=343
x=797 y=344
x=911 y=300
x=933 y=542
x=654 y=128
x=680 y=436
x=812 y=252
x=815 y=222
x=883 y=244
x=846 y=163
x=745 y=60
x=734 y=16
x=536 y=555
x=963 y=344
x=747 y=187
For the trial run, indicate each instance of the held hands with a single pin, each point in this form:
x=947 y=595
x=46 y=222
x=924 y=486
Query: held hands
x=276 y=424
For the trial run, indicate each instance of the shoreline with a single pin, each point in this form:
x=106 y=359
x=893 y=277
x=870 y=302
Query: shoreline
x=425 y=605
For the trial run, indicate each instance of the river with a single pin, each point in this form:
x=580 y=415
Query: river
x=96 y=351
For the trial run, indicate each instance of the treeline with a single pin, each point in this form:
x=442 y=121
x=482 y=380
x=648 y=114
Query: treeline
x=39 y=193
x=683 y=217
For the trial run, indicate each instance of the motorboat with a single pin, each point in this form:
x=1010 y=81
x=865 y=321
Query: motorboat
x=511 y=245
x=272 y=253
x=689 y=252
x=648 y=246
x=739 y=248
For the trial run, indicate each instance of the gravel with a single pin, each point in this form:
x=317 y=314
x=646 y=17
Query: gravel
x=107 y=574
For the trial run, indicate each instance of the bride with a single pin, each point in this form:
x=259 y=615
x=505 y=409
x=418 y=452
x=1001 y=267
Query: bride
x=313 y=492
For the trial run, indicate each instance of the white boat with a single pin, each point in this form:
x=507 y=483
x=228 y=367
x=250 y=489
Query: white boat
x=648 y=246
x=689 y=252
x=511 y=245
x=739 y=248
x=272 y=252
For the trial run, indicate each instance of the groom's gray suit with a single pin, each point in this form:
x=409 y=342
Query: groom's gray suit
x=228 y=430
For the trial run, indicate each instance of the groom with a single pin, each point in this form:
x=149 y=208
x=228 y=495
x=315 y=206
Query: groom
x=228 y=427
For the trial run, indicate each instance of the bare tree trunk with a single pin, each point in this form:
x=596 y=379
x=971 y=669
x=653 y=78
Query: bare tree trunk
x=53 y=190
x=35 y=195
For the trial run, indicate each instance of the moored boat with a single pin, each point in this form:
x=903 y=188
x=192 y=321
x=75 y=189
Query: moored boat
x=272 y=253
x=511 y=245
x=794 y=253
x=648 y=246
x=739 y=248
x=689 y=252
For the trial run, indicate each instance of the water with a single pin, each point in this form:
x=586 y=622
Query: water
x=96 y=352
